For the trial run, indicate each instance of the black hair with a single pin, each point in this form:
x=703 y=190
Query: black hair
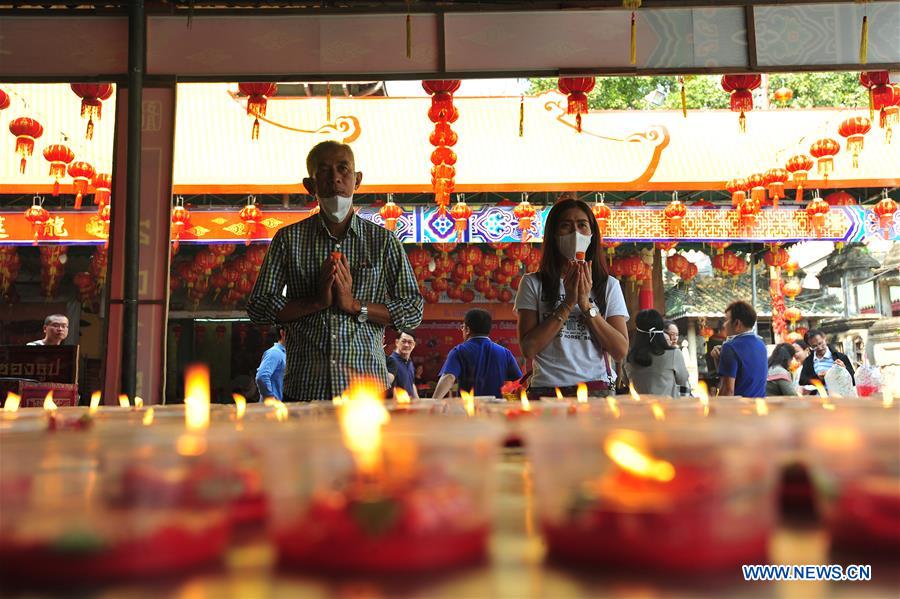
x=552 y=258
x=742 y=312
x=478 y=321
x=644 y=344
x=50 y=318
x=669 y=323
x=409 y=332
x=782 y=355
x=812 y=333
x=802 y=343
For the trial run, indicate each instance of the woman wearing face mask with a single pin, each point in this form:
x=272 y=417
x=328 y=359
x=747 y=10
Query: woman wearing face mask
x=572 y=314
x=779 y=380
x=654 y=366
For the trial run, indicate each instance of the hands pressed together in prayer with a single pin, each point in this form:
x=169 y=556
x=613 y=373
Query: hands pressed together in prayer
x=336 y=283
x=578 y=282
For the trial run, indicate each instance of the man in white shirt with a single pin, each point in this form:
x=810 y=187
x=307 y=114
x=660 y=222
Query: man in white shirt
x=56 y=329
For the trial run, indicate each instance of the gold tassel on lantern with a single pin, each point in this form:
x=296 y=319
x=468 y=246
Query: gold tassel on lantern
x=864 y=34
x=683 y=97
x=521 y=116
x=328 y=102
x=408 y=32
x=633 y=5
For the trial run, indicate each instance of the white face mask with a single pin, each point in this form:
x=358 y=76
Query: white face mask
x=574 y=245
x=336 y=208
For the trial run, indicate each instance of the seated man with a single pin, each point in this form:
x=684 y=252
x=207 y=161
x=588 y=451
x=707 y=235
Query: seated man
x=56 y=329
x=478 y=364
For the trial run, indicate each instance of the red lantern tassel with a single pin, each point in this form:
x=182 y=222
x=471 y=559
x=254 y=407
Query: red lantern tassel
x=742 y=121
x=78 y=201
x=22 y=165
x=864 y=41
x=56 y=187
x=633 y=38
x=578 y=122
x=89 y=134
x=799 y=192
x=255 y=132
x=521 y=116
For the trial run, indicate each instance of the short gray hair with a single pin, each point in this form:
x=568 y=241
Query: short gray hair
x=312 y=159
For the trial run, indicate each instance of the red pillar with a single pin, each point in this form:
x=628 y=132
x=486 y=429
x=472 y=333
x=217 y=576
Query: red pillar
x=153 y=293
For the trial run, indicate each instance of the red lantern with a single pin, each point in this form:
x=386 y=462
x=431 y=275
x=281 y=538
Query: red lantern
x=877 y=82
x=82 y=173
x=445 y=247
x=816 y=210
x=442 y=113
x=799 y=167
x=576 y=88
x=719 y=246
x=440 y=285
x=257 y=99
x=885 y=210
x=38 y=217
x=792 y=315
x=840 y=198
x=58 y=155
x=747 y=211
x=524 y=213
x=251 y=216
x=775 y=178
x=92 y=96
x=854 y=128
x=824 y=150
x=690 y=272
x=738 y=190
x=26 y=131
x=791 y=289
x=602 y=214
x=419 y=257
x=443 y=135
x=181 y=218
x=665 y=246
x=776 y=257
x=441 y=92
x=888 y=102
x=783 y=95
x=460 y=214
x=4 y=100
x=791 y=267
x=757 y=184
x=677 y=264
x=741 y=89
x=390 y=213
x=675 y=212
x=470 y=256
x=102 y=188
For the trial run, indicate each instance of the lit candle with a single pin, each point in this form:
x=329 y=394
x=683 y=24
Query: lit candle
x=361 y=420
x=95 y=402
x=613 y=406
x=123 y=401
x=401 y=396
x=658 y=412
x=12 y=402
x=196 y=400
x=138 y=402
x=559 y=394
x=240 y=405
x=582 y=393
x=702 y=393
x=633 y=392
x=468 y=399
x=49 y=404
x=147 y=420
x=762 y=408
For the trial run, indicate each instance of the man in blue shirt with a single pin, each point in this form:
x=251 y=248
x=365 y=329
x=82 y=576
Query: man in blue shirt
x=742 y=358
x=270 y=374
x=478 y=364
x=400 y=364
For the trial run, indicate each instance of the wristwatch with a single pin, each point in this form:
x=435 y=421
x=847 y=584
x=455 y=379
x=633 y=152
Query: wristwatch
x=594 y=312
x=363 y=315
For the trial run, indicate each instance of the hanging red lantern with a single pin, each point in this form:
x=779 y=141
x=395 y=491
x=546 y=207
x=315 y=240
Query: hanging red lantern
x=610 y=246
x=792 y=315
x=4 y=100
x=677 y=264
x=738 y=190
x=445 y=247
x=102 y=188
x=524 y=213
x=776 y=257
x=799 y=167
x=889 y=105
x=390 y=213
x=665 y=246
x=419 y=257
x=757 y=184
x=824 y=151
x=26 y=131
x=876 y=83
x=783 y=95
x=251 y=216
x=690 y=272
x=38 y=216
x=82 y=173
x=257 y=99
x=775 y=178
x=885 y=210
x=675 y=212
x=854 y=128
x=741 y=89
x=748 y=211
x=92 y=96
x=59 y=156
x=499 y=246
x=602 y=213
x=791 y=289
x=719 y=246
x=576 y=88
x=181 y=218
x=443 y=135
x=791 y=267
x=460 y=214
x=816 y=210
x=470 y=256
x=442 y=113
x=441 y=92
x=840 y=198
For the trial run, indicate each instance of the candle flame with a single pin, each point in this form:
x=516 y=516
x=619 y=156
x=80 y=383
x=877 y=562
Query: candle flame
x=138 y=401
x=523 y=398
x=271 y=402
x=762 y=408
x=196 y=400
x=240 y=405
x=613 y=406
x=361 y=419
x=147 y=420
x=820 y=387
x=95 y=401
x=828 y=405
x=582 y=393
x=12 y=402
x=401 y=396
x=626 y=450
x=49 y=404
x=887 y=397
x=702 y=393
x=468 y=398
x=281 y=412
x=559 y=394
x=633 y=392
x=658 y=412
x=123 y=401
